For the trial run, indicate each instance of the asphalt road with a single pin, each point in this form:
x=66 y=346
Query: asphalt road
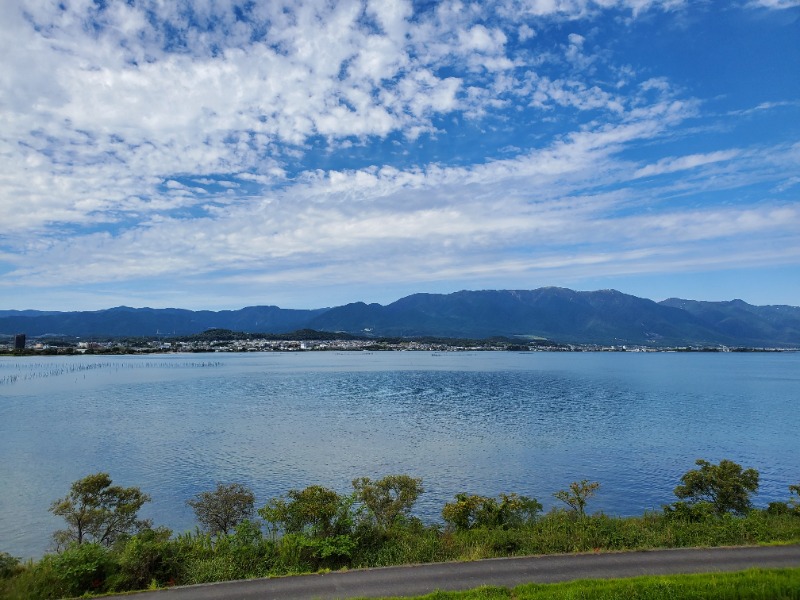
x=423 y=579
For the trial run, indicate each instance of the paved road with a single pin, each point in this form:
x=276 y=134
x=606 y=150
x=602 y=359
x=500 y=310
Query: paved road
x=423 y=579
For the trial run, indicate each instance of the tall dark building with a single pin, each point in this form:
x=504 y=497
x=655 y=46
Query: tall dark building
x=19 y=341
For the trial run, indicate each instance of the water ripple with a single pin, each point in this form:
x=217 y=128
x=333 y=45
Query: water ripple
x=481 y=423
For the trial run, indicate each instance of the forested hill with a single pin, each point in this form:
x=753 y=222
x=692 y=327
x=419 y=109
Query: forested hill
x=124 y=321
x=602 y=317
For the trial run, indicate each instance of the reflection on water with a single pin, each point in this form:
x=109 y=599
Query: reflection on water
x=479 y=422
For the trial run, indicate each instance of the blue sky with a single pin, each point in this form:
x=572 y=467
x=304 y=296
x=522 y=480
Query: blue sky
x=220 y=153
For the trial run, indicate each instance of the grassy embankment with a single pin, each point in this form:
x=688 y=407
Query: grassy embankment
x=107 y=549
x=155 y=558
x=754 y=584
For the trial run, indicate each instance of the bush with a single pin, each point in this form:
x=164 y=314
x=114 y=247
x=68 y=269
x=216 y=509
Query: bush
x=9 y=565
x=315 y=511
x=145 y=559
x=794 y=500
x=242 y=554
x=80 y=569
x=473 y=511
x=388 y=499
x=83 y=568
x=224 y=508
x=690 y=512
x=295 y=554
x=577 y=495
x=726 y=486
x=246 y=550
x=778 y=508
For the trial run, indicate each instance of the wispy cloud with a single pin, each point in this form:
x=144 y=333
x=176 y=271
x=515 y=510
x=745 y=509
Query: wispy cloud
x=775 y=4
x=681 y=163
x=361 y=140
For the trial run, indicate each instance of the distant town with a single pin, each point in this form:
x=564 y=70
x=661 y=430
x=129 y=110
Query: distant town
x=314 y=341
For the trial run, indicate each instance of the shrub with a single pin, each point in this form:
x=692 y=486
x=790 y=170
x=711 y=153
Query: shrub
x=779 y=508
x=473 y=511
x=794 y=501
x=315 y=511
x=79 y=569
x=690 y=512
x=577 y=495
x=726 y=486
x=389 y=498
x=146 y=558
x=219 y=511
x=9 y=565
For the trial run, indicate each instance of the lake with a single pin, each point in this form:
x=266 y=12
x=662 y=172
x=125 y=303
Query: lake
x=480 y=422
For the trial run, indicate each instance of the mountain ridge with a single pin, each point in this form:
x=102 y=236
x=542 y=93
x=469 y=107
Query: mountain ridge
x=560 y=314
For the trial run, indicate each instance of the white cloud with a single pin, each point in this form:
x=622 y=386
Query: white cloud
x=75 y=100
x=776 y=4
x=574 y=9
x=479 y=38
x=681 y=163
x=329 y=222
x=162 y=140
x=525 y=32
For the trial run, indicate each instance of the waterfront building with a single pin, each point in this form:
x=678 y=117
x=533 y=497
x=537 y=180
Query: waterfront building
x=19 y=341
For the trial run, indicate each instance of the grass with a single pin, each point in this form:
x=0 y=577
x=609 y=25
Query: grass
x=560 y=532
x=753 y=584
x=158 y=559
x=155 y=558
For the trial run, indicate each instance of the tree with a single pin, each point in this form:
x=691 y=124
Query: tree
x=726 y=486
x=315 y=511
x=221 y=510
x=473 y=511
x=96 y=511
x=9 y=565
x=389 y=498
x=578 y=493
x=468 y=511
x=795 y=502
x=515 y=510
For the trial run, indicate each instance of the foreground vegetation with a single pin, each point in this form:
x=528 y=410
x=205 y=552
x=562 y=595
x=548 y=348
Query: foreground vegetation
x=106 y=548
x=753 y=584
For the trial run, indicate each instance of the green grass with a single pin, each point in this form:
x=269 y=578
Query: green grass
x=753 y=584
x=155 y=558
x=560 y=532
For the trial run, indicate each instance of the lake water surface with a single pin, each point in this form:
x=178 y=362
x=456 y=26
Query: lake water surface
x=483 y=422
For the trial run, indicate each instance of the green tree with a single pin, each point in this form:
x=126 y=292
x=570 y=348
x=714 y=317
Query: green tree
x=317 y=526
x=577 y=495
x=8 y=565
x=389 y=498
x=726 y=486
x=314 y=511
x=96 y=511
x=467 y=512
x=794 y=501
x=515 y=510
x=473 y=511
x=221 y=510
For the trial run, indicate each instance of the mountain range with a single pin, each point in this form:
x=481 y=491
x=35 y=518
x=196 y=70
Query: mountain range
x=563 y=315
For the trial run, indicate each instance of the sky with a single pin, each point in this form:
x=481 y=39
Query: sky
x=217 y=154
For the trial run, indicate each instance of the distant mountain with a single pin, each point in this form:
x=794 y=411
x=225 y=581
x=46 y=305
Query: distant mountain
x=742 y=321
x=26 y=313
x=124 y=321
x=601 y=317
